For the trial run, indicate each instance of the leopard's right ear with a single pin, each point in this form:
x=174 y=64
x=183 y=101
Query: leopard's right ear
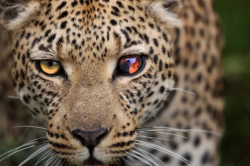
x=14 y=13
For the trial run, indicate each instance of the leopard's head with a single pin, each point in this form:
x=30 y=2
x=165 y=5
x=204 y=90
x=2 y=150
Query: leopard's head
x=93 y=70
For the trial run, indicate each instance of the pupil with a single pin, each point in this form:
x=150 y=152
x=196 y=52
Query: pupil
x=130 y=64
x=50 y=63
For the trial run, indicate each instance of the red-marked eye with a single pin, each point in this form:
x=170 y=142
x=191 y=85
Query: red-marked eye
x=131 y=64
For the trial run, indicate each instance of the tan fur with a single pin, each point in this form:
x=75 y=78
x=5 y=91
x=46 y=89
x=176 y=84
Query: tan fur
x=181 y=46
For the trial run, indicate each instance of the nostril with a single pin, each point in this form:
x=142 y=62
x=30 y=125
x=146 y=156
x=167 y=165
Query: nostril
x=101 y=136
x=90 y=138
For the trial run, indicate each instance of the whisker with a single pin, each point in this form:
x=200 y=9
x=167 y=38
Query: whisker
x=36 y=127
x=177 y=135
x=51 y=158
x=34 y=154
x=125 y=161
x=26 y=130
x=156 y=138
x=147 y=157
x=16 y=152
x=152 y=139
x=44 y=156
x=55 y=160
x=59 y=161
x=182 y=90
x=137 y=157
x=14 y=97
x=27 y=145
x=162 y=129
x=149 y=154
x=123 y=158
x=157 y=120
x=132 y=159
x=164 y=150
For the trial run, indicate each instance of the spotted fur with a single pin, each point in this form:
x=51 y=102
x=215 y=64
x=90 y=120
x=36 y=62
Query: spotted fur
x=181 y=42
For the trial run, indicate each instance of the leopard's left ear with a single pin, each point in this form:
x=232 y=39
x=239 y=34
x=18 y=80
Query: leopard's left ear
x=14 y=13
x=167 y=10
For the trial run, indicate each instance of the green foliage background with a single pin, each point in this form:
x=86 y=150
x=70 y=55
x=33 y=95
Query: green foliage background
x=235 y=16
x=235 y=149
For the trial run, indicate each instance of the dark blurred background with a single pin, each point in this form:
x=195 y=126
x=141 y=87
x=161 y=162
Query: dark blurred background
x=235 y=148
x=235 y=17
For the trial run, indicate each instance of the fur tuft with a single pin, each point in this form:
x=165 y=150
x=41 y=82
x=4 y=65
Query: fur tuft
x=167 y=11
x=14 y=13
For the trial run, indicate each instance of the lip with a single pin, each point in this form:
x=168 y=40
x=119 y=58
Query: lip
x=93 y=162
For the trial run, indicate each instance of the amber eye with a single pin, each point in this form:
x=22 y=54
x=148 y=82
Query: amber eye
x=131 y=65
x=50 y=67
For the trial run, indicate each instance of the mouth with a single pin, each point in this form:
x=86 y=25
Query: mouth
x=93 y=162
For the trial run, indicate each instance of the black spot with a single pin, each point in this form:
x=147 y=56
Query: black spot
x=166 y=66
x=23 y=59
x=113 y=22
x=119 y=4
x=28 y=36
x=141 y=19
x=151 y=25
x=146 y=38
x=156 y=42
x=151 y=51
x=47 y=33
x=187 y=156
x=51 y=38
x=162 y=89
x=199 y=77
x=163 y=50
x=173 y=145
x=204 y=57
x=74 y=3
x=64 y=14
x=163 y=77
x=165 y=37
x=125 y=134
x=131 y=8
x=116 y=10
x=150 y=94
x=61 y=6
x=63 y=24
x=57 y=135
x=194 y=66
x=197 y=141
x=169 y=74
x=189 y=46
x=165 y=159
x=185 y=63
x=184 y=99
x=205 y=158
x=197 y=112
x=155 y=59
x=202 y=33
x=26 y=100
x=160 y=65
x=126 y=35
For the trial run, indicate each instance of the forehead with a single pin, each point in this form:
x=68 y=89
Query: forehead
x=85 y=26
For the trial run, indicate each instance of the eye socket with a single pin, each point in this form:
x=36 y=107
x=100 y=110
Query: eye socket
x=131 y=65
x=50 y=67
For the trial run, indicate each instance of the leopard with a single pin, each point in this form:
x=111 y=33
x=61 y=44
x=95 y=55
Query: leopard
x=119 y=82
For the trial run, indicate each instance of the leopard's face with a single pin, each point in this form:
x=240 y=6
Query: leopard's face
x=93 y=71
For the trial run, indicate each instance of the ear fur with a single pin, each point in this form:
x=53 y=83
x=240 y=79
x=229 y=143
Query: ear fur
x=167 y=11
x=13 y=13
